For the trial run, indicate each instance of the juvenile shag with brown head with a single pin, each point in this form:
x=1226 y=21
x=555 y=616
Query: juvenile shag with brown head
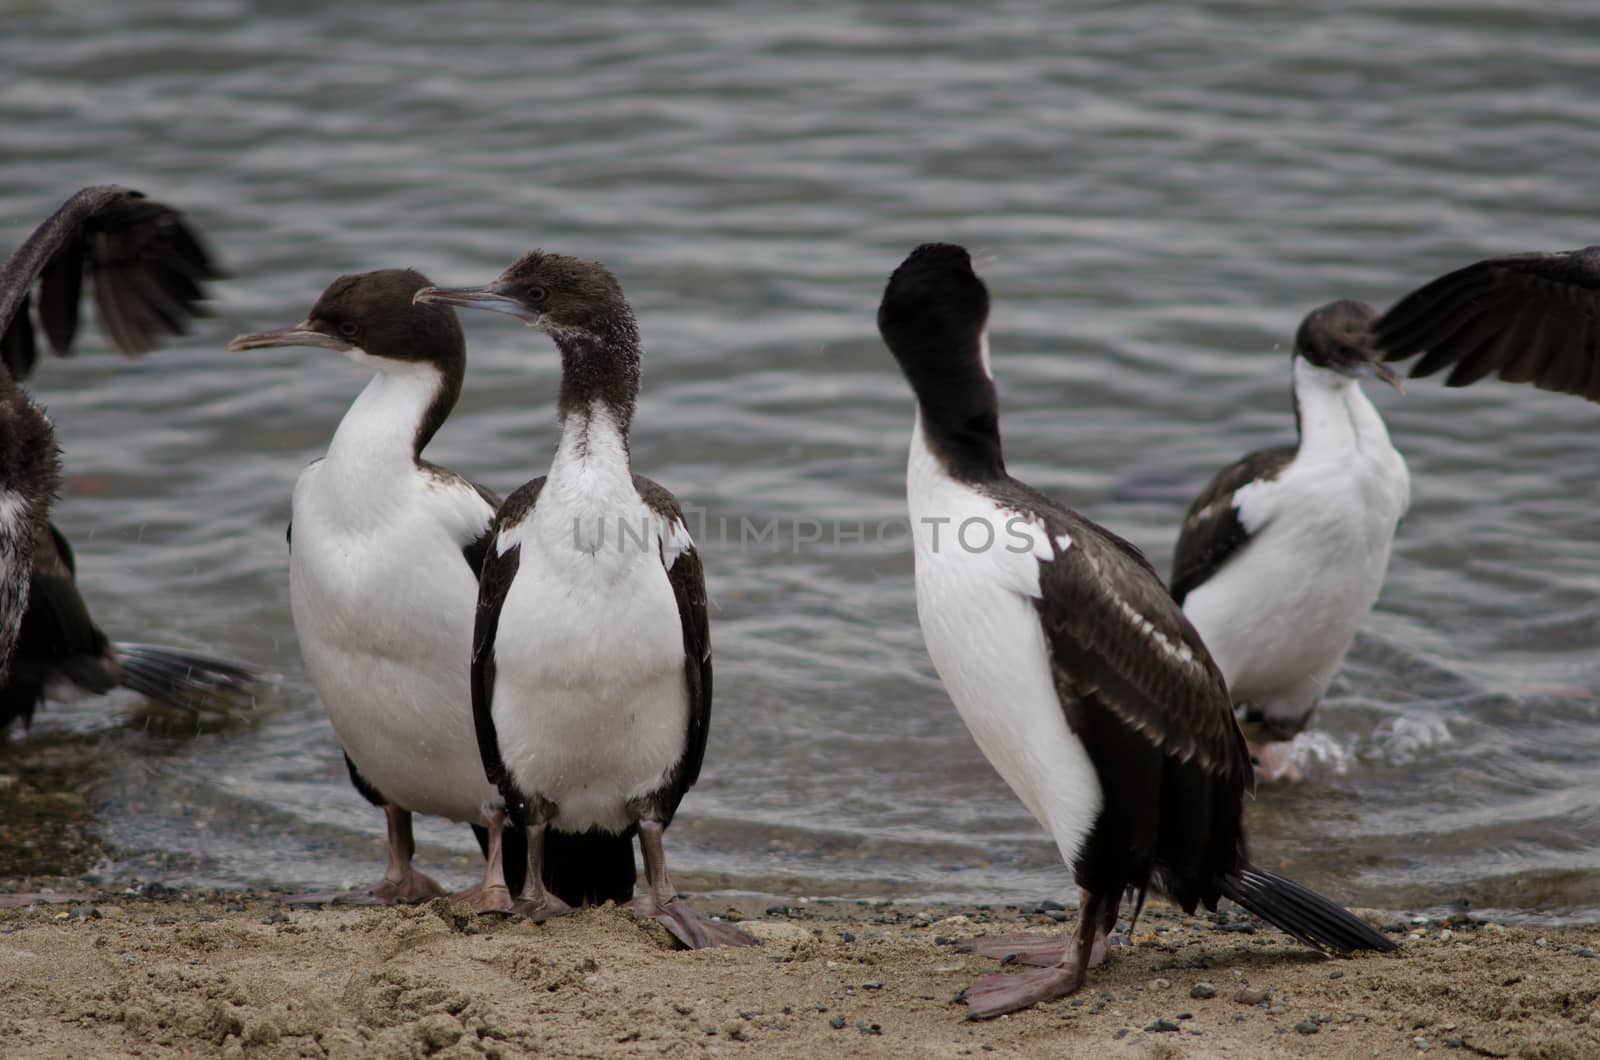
x=591 y=659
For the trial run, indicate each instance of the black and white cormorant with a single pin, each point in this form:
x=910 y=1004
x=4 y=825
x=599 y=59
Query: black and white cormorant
x=385 y=549
x=1283 y=554
x=1074 y=670
x=591 y=660
x=1528 y=318
x=149 y=269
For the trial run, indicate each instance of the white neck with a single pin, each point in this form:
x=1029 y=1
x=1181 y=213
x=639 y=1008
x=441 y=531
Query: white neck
x=1336 y=417
x=590 y=486
x=379 y=431
x=593 y=453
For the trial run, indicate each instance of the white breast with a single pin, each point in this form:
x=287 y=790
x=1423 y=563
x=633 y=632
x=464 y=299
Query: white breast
x=976 y=607
x=1280 y=615
x=590 y=702
x=383 y=605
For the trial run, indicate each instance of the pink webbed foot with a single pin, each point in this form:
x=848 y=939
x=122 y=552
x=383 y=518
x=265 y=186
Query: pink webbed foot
x=1035 y=951
x=1275 y=763
x=481 y=899
x=693 y=931
x=998 y=994
x=410 y=889
x=1038 y=951
x=539 y=909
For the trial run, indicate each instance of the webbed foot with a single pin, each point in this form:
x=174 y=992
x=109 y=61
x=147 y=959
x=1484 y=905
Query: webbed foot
x=692 y=930
x=544 y=907
x=998 y=994
x=481 y=899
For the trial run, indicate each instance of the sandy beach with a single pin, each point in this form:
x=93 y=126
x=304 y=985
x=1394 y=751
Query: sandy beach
x=205 y=973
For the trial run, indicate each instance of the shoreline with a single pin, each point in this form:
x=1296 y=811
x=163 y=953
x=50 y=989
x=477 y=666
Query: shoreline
x=217 y=973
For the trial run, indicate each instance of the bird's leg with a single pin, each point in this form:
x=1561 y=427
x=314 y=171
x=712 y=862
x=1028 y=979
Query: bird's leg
x=1040 y=951
x=660 y=900
x=996 y=995
x=402 y=883
x=535 y=902
x=491 y=895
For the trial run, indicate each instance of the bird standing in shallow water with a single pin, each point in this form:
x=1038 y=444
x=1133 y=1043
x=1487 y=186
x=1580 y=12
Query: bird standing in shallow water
x=149 y=269
x=1284 y=552
x=1074 y=670
x=591 y=660
x=384 y=555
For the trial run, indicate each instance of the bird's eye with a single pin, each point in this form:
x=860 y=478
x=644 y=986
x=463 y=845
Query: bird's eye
x=537 y=294
x=348 y=329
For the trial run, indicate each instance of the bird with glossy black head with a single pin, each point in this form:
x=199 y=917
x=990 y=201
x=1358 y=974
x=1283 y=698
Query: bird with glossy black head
x=1073 y=668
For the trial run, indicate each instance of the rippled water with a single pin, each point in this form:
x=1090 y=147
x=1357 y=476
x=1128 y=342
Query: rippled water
x=1162 y=189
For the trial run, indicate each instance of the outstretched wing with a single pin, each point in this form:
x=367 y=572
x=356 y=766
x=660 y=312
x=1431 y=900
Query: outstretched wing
x=1529 y=318
x=148 y=265
x=1213 y=530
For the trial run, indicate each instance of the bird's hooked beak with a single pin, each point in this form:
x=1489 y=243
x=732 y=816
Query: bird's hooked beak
x=301 y=334
x=487 y=297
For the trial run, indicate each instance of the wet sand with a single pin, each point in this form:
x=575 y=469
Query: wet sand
x=209 y=973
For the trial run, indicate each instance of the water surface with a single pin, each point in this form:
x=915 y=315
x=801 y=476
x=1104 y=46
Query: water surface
x=1161 y=190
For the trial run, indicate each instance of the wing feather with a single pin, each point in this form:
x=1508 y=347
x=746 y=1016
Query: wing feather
x=1526 y=318
x=687 y=575
x=495 y=575
x=1212 y=529
x=149 y=268
x=1120 y=644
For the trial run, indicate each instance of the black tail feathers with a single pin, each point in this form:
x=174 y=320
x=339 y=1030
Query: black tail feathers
x=200 y=684
x=587 y=868
x=1323 y=925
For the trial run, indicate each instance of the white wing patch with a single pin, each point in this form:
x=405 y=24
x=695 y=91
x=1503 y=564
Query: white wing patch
x=675 y=541
x=1063 y=542
x=1256 y=503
